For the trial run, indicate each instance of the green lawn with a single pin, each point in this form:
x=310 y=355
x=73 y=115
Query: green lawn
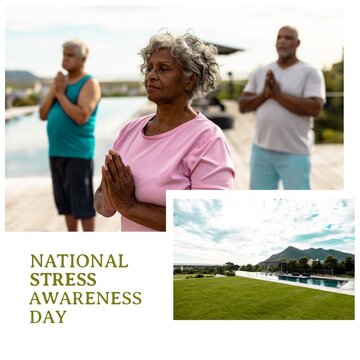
x=180 y=276
x=240 y=298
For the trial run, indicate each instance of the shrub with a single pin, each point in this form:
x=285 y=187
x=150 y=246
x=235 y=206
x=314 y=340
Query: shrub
x=229 y=273
x=332 y=136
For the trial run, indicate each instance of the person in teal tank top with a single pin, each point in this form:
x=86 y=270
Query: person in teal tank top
x=70 y=108
x=66 y=137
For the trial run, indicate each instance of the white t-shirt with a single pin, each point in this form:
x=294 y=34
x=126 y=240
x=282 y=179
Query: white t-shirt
x=277 y=128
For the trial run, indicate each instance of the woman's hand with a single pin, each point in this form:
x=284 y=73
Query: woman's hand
x=117 y=191
x=118 y=184
x=105 y=194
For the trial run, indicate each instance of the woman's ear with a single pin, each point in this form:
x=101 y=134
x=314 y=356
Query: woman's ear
x=191 y=81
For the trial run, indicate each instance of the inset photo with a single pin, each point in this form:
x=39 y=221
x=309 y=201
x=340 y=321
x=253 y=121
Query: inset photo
x=264 y=259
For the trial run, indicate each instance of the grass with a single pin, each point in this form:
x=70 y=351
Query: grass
x=238 y=298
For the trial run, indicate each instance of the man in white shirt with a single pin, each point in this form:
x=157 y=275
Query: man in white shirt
x=285 y=96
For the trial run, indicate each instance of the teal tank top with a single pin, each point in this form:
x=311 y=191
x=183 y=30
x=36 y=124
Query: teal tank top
x=66 y=137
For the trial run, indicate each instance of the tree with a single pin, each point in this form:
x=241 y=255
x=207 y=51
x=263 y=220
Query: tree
x=329 y=124
x=349 y=264
x=188 y=270
x=208 y=270
x=293 y=265
x=219 y=270
x=340 y=268
x=303 y=262
x=249 y=267
x=316 y=266
x=231 y=266
x=331 y=263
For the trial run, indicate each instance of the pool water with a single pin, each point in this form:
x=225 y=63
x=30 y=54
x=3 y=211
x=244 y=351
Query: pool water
x=26 y=143
x=314 y=281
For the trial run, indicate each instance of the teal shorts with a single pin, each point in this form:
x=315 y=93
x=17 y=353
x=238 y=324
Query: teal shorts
x=268 y=168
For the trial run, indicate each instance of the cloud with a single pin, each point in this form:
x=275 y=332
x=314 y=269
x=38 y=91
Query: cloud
x=315 y=236
x=116 y=33
x=249 y=230
x=334 y=242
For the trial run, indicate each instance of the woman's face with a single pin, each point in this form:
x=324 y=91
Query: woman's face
x=164 y=79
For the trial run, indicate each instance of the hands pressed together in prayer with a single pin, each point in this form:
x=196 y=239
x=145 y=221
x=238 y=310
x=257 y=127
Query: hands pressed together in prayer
x=59 y=84
x=117 y=184
x=271 y=85
x=116 y=193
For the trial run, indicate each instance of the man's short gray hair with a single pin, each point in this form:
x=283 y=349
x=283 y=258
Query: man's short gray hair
x=80 y=47
x=193 y=55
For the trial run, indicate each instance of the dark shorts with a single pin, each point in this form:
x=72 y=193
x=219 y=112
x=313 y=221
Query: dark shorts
x=72 y=186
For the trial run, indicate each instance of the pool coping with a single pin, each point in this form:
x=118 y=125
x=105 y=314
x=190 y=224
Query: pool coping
x=271 y=278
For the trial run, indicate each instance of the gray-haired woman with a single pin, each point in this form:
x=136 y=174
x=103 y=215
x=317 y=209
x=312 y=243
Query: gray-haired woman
x=176 y=148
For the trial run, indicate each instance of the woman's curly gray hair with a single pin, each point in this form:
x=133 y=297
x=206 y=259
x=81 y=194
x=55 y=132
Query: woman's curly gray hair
x=194 y=56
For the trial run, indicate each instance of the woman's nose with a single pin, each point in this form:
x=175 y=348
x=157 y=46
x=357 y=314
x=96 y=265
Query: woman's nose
x=153 y=74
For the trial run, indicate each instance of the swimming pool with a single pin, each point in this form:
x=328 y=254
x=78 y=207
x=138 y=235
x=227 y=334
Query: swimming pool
x=26 y=143
x=334 y=283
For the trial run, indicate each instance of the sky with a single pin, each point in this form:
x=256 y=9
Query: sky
x=115 y=34
x=243 y=231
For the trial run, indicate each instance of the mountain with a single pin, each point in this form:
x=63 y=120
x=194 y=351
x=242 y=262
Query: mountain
x=291 y=253
x=19 y=76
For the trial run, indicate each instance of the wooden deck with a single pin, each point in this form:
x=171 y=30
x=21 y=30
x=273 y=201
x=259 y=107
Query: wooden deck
x=20 y=111
x=30 y=207
x=29 y=204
